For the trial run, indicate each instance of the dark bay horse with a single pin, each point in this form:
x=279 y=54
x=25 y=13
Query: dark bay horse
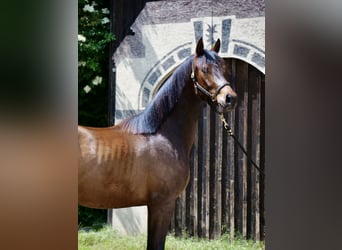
x=144 y=160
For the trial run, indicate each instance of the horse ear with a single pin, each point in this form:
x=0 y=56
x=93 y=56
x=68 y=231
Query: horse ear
x=217 y=45
x=200 y=47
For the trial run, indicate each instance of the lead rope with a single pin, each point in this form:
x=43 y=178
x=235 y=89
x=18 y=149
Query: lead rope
x=230 y=133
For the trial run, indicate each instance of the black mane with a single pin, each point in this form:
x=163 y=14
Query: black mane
x=149 y=121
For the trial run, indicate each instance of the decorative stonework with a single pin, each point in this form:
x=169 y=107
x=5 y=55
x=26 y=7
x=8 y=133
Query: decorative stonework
x=160 y=71
x=165 y=46
x=238 y=39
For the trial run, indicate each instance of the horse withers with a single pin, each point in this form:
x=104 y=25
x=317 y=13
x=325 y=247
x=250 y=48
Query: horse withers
x=144 y=160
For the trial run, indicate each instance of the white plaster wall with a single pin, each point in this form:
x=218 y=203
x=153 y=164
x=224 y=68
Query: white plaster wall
x=130 y=221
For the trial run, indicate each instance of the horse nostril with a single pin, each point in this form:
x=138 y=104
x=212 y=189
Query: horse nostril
x=228 y=99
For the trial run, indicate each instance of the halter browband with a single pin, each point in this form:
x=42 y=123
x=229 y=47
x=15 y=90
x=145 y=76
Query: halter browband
x=206 y=92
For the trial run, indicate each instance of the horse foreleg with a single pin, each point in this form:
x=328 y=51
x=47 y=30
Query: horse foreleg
x=159 y=218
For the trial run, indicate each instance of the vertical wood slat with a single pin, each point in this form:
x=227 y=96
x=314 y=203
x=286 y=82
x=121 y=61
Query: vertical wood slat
x=258 y=111
x=203 y=171
x=250 y=171
x=241 y=133
x=200 y=173
x=191 y=199
x=178 y=217
x=218 y=179
x=231 y=158
x=227 y=171
x=212 y=175
x=183 y=214
x=215 y=168
x=206 y=180
x=262 y=158
x=254 y=149
x=225 y=184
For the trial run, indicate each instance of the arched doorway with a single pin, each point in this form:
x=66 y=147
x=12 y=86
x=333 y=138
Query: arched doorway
x=225 y=192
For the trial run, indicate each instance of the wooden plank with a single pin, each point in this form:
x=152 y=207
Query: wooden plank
x=199 y=172
x=262 y=158
x=225 y=167
x=250 y=218
x=218 y=177
x=258 y=112
x=194 y=208
x=183 y=212
x=225 y=184
x=241 y=133
x=207 y=168
x=215 y=176
x=254 y=149
x=191 y=192
x=232 y=208
x=203 y=168
x=212 y=172
x=178 y=217
x=189 y=195
x=231 y=161
x=228 y=160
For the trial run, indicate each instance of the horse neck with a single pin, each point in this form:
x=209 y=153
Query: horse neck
x=180 y=126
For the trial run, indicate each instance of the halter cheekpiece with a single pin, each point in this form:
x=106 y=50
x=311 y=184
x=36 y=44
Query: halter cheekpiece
x=203 y=90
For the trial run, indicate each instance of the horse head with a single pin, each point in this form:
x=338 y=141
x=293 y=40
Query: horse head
x=208 y=78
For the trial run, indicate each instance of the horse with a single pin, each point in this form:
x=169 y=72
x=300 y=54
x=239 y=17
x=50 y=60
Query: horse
x=144 y=160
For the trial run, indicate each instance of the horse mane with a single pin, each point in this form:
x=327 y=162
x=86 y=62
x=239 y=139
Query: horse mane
x=150 y=120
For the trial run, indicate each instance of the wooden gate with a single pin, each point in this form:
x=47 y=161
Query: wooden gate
x=225 y=193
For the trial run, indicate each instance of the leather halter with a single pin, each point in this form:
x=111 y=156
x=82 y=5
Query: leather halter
x=204 y=91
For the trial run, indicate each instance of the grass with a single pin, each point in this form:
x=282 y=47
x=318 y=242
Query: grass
x=106 y=239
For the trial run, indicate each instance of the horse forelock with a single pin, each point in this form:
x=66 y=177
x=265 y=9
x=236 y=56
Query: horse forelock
x=212 y=57
x=149 y=121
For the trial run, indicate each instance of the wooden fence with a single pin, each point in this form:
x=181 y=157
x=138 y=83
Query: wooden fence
x=225 y=193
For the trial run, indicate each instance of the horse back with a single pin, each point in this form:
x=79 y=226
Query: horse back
x=118 y=169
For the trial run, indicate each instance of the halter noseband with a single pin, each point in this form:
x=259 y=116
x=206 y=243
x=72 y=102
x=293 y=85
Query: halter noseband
x=204 y=91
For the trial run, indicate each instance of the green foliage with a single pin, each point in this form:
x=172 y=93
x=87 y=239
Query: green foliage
x=108 y=239
x=91 y=218
x=94 y=38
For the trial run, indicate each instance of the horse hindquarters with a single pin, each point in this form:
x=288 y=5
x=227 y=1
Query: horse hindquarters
x=159 y=218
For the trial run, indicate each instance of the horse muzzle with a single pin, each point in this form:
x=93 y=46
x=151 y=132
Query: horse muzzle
x=227 y=105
